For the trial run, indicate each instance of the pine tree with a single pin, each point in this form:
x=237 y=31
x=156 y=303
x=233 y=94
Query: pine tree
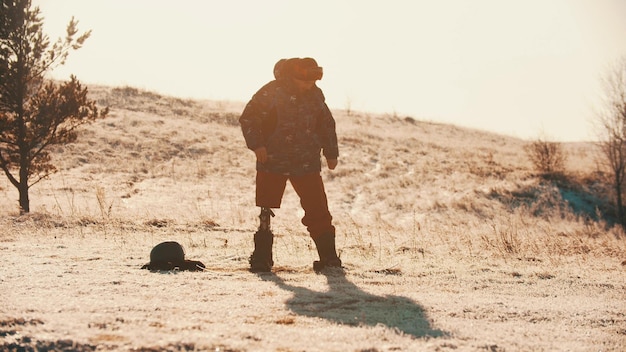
x=35 y=112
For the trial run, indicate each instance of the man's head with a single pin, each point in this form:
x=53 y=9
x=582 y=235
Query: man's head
x=307 y=70
x=304 y=72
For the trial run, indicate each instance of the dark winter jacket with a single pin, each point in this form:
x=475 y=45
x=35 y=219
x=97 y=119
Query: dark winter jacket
x=294 y=127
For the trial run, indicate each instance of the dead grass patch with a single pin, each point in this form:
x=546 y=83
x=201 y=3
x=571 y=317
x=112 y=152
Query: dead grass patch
x=449 y=239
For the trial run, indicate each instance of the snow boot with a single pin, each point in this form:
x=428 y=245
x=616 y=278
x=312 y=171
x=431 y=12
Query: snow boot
x=261 y=259
x=326 y=250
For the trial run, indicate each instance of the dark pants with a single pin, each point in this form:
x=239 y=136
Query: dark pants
x=310 y=188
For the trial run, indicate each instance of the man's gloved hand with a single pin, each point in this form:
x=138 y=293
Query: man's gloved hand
x=261 y=154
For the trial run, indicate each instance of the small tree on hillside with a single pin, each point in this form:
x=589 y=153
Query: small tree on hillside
x=612 y=130
x=35 y=113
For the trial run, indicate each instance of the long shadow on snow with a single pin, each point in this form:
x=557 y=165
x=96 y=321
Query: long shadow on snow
x=345 y=303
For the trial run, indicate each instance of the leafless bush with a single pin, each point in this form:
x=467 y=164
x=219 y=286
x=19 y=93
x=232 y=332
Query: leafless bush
x=547 y=157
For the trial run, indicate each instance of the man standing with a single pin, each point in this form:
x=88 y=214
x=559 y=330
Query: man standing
x=288 y=126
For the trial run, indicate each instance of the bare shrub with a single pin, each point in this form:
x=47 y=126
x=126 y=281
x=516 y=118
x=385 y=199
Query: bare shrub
x=547 y=157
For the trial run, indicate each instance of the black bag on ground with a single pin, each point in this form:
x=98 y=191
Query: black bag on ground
x=171 y=256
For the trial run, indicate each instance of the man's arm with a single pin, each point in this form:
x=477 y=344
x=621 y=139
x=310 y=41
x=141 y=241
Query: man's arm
x=328 y=136
x=253 y=117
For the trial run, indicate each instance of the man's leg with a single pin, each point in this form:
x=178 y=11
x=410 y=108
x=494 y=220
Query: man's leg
x=269 y=193
x=269 y=189
x=317 y=218
x=310 y=189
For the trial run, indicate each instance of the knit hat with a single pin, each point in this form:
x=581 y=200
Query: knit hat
x=306 y=69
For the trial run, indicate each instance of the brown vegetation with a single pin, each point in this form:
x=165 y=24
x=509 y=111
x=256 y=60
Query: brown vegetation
x=450 y=239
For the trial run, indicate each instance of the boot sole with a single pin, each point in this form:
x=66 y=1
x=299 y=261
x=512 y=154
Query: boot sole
x=320 y=266
x=260 y=270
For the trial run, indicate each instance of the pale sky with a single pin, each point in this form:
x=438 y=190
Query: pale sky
x=526 y=68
